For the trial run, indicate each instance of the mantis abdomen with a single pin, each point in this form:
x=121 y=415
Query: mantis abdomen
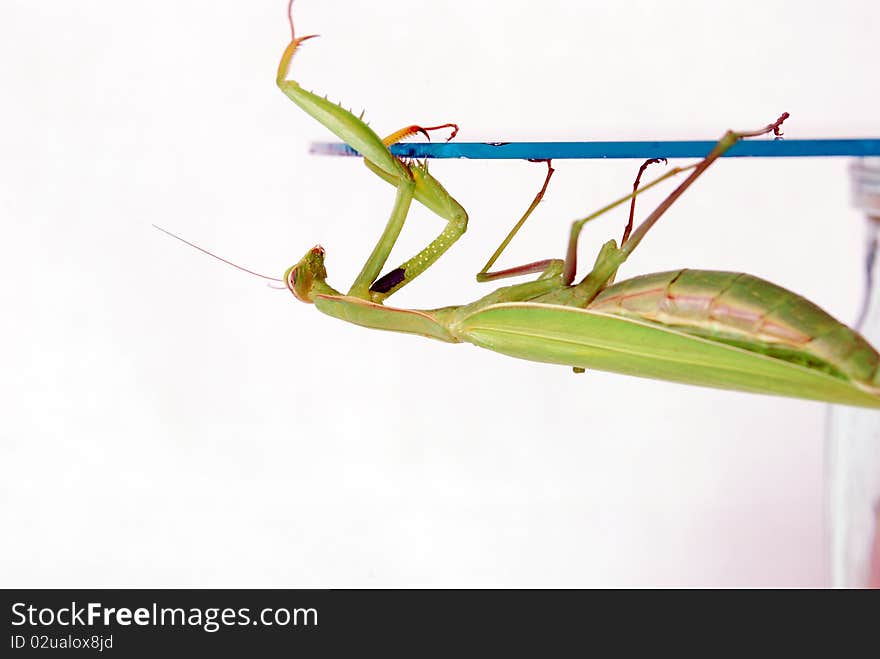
x=747 y=312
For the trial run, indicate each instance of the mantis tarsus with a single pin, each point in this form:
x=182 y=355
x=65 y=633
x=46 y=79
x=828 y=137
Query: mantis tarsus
x=718 y=329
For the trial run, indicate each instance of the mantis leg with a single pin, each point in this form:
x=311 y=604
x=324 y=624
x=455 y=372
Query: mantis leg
x=570 y=263
x=431 y=194
x=373 y=266
x=546 y=283
x=538 y=266
x=428 y=191
x=611 y=257
x=542 y=266
x=411 y=180
x=728 y=140
x=354 y=132
x=549 y=269
x=406 y=131
x=632 y=204
x=577 y=226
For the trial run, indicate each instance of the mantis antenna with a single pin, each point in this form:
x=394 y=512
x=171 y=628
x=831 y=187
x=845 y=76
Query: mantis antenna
x=219 y=258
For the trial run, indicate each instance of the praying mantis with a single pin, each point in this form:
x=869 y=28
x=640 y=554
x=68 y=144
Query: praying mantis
x=718 y=329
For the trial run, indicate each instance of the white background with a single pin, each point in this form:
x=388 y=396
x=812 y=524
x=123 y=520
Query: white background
x=167 y=420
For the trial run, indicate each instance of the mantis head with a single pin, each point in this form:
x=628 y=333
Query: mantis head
x=303 y=278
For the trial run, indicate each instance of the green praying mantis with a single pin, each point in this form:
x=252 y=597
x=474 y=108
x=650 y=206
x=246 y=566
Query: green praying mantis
x=718 y=329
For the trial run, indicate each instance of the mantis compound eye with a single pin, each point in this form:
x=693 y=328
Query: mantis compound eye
x=290 y=280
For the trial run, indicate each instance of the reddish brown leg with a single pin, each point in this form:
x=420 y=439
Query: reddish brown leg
x=632 y=204
x=484 y=274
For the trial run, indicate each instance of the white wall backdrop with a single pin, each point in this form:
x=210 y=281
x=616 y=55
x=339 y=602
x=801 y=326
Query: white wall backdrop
x=167 y=420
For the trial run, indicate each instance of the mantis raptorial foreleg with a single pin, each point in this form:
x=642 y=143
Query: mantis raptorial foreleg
x=411 y=180
x=430 y=193
x=405 y=132
x=377 y=258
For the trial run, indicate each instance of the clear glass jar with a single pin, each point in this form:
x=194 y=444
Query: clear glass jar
x=853 y=435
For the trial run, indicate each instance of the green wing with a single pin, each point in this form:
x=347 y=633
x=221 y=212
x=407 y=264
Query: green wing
x=593 y=340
